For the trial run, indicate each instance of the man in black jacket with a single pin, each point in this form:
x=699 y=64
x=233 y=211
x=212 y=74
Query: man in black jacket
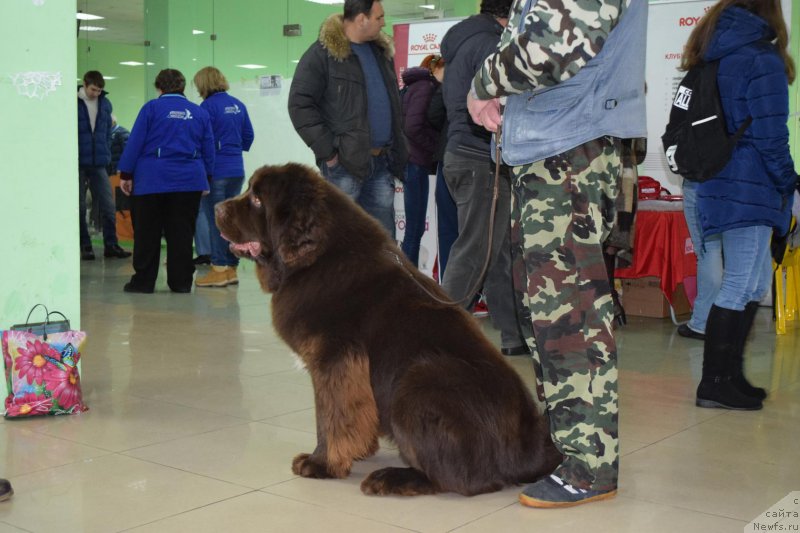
x=468 y=172
x=345 y=104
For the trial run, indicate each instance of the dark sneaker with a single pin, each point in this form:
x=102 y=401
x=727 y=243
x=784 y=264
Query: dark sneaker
x=87 y=254
x=181 y=290
x=130 y=287
x=6 y=491
x=685 y=331
x=116 y=251
x=551 y=492
x=202 y=260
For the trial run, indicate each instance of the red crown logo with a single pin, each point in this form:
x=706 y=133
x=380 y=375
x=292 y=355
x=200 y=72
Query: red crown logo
x=429 y=37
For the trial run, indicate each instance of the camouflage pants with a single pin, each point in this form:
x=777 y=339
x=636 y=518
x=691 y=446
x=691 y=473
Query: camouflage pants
x=562 y=210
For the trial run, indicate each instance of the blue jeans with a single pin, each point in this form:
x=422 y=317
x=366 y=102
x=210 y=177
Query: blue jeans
x=709 y=259
x=748 y=267
x=202 y=233
x=221 y=190
x=446 y=220
x=375 y=193
x=415 y=199
x=97 y=178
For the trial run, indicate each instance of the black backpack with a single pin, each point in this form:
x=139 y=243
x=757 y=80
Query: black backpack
x=696 y=142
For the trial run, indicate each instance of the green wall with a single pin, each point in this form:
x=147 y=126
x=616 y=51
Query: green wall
x=126 y=88
x=242 y=36
x=39 y=182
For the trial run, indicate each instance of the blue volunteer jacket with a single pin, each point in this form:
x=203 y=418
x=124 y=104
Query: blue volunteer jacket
x=94 y=146
x=755 y=188
x=233 y=133
x=171 y=147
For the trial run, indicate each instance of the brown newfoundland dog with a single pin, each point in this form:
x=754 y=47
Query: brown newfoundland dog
x=385 y=358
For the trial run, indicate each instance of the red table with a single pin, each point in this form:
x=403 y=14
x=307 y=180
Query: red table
x=662 y=247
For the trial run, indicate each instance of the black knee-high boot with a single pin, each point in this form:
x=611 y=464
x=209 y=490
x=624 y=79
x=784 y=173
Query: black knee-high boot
x=738 y=367
x=717 y=387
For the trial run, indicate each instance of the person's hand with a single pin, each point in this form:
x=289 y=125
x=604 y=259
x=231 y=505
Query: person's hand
x=485 y=113
x=126 y=186
x=206 y=193
x=332 y=161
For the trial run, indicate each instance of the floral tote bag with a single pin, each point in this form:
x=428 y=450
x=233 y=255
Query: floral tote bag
x=42 y=371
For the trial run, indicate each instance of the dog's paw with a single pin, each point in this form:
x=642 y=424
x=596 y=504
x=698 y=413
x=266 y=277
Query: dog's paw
x=306 y=465
x=399 y=481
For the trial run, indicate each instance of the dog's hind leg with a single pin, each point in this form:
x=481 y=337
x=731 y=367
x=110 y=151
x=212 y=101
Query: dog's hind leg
x=400 y=481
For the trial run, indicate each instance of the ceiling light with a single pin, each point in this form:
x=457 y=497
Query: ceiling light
x=251 y=66
x=131 y=63
x=327 y=1
x=428 y=6
x=92 y=28
x=87 y=16
x=197 y=32
x=109 y=77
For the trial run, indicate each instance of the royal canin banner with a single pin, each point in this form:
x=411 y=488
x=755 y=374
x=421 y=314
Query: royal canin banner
x=413 y=41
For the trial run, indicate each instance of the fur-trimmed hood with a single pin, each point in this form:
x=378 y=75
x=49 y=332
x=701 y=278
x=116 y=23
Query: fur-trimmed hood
x=334 y=40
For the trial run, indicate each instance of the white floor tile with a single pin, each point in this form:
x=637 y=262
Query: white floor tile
x=197 y=409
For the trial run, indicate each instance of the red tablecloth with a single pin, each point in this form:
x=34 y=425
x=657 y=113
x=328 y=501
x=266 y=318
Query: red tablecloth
x=662 y=248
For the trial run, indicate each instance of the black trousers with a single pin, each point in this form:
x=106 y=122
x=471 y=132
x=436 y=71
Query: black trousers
x=172 y=215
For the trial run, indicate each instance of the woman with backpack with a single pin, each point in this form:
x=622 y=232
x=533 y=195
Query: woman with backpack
x=752 y=195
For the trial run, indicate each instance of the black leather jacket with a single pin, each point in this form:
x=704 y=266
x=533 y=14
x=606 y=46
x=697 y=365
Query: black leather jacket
x=328 y=101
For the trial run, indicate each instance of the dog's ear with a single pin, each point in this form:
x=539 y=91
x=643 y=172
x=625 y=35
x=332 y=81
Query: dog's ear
x=297 y=219
x=299 y=241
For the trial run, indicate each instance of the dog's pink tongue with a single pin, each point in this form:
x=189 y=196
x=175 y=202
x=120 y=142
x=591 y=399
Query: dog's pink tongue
x=253 y=248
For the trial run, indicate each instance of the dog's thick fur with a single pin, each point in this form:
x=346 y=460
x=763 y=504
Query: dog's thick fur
x=385 y=359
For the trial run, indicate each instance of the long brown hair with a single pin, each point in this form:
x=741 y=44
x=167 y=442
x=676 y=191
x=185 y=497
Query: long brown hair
x=769 y=10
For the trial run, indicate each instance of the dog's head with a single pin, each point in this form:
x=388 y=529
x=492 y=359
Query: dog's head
x=280 y=221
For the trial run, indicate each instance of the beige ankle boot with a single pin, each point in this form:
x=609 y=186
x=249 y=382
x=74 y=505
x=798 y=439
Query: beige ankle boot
x=217 y=277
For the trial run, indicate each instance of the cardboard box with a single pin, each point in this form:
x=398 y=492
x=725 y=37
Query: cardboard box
x=643 y=297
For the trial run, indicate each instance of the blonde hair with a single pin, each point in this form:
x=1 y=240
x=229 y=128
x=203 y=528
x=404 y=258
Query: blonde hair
x=210 y=80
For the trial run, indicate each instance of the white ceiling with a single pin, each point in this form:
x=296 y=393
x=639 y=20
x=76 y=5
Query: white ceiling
x=124 y=19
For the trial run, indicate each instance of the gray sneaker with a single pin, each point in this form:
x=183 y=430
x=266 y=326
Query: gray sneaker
x=551 y=492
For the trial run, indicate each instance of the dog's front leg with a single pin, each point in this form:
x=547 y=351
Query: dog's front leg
x=347 y=416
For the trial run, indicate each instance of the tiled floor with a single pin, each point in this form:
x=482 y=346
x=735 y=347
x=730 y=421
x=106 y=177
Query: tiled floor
x=196 y=410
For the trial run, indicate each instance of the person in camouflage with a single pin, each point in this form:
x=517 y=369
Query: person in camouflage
x=567 y=83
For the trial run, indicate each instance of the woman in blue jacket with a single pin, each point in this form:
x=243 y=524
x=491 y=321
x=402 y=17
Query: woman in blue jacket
x=752 y=196
x=166 y=166
x=233 y=133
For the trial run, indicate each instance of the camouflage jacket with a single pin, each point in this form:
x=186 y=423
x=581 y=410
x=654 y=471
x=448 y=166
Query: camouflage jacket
x=576 y=78
x=557 y=38
x=328 y=101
